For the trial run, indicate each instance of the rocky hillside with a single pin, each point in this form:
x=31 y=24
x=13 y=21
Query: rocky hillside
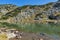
x=31 y=13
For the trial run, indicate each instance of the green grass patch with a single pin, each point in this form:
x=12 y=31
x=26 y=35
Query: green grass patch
x=36 y=28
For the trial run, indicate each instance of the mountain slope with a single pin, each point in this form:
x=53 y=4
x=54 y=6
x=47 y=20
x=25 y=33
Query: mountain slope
x=31 y=13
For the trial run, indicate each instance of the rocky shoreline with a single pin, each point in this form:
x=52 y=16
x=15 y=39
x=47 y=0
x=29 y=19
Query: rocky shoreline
x=13 y=34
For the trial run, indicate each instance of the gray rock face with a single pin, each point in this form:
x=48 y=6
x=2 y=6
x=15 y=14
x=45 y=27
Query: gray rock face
x=58 y=0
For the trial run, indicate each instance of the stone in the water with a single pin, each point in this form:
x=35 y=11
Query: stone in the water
x=42 y=34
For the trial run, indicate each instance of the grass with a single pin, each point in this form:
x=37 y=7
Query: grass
x=36 y=27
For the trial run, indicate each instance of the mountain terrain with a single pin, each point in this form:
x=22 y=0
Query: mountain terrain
x=32 y=19
x=30 y=13
x=15 y=14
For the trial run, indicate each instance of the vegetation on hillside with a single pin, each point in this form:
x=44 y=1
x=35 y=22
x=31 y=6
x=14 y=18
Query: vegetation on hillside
x=18 y=10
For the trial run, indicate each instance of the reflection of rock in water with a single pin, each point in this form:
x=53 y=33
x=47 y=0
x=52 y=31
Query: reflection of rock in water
x=49 y=37
x=56 y=37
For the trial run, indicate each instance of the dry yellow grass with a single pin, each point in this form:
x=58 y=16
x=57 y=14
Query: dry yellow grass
x=3 y=36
